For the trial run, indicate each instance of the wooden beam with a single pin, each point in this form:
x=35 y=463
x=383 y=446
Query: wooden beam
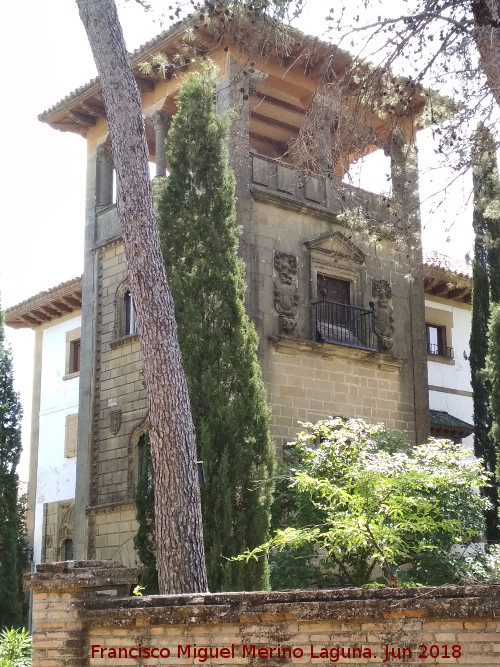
x=274 y=123
x=279 y=104
x=441 y=289
x=458 y=293
x=145 y=84
x=280 y=147
x=94 y=108
x=31 y=320
x=52 y=312
x=62 y=306
x=84 y=118
x=73 y=301
x=40 y=315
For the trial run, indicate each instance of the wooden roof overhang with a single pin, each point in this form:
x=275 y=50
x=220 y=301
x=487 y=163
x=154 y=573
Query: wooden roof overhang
x=446 y=284
x=47 y=306
x=278 y=102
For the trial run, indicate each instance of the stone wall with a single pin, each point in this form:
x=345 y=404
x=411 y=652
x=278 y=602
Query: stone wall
x=82 y=618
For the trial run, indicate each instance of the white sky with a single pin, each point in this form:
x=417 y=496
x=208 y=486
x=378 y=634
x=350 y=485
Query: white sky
x=42 y=177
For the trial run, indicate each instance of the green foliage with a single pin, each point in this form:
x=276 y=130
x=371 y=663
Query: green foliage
x=196 y=213
x=493 y=370
x=485 y=288
x=144 y=540
x=361 y=503
x=10 y=451
x=15 y=648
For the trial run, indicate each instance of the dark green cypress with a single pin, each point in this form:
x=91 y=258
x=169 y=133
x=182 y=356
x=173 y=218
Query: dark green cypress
x=485 y=291
x=144 y=540
x=10 y=452
x=196 y=213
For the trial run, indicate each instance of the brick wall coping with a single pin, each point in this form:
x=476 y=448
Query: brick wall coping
x=69 y=575
x=450 y=602
x=342 y=604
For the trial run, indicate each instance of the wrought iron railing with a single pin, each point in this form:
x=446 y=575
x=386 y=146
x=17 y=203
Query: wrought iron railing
x=341 y=324
x=439 y=350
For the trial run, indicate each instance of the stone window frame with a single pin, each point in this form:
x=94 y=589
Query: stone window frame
x=119 y=335
x=71 y=338
x=348 y=265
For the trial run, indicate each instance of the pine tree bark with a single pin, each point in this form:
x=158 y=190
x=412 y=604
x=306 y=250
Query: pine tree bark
x=180 y=555
x=487 y=37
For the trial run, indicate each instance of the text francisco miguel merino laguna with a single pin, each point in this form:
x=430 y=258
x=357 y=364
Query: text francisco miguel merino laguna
x=332 y=653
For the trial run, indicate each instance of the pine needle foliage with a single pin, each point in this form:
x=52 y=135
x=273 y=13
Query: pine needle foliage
x=485 y=291
x=10 y=452
x=196 y=213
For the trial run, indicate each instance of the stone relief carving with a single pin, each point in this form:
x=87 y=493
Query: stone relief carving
x=384 y=321
x=65 y=525
x=286 y=293
x=115 y=420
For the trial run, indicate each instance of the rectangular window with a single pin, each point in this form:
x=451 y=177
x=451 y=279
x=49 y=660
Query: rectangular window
x=74 y=356
x=436 y=340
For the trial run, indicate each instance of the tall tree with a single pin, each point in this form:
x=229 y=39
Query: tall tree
x=10 y=452
x=493 y=369
x=486 y=289
x=178 y=522
x=196 y=214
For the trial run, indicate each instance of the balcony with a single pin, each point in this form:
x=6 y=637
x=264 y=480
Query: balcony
x=438 y=350
x=341 y=324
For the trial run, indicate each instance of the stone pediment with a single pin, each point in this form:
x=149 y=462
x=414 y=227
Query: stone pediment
x=336 y=245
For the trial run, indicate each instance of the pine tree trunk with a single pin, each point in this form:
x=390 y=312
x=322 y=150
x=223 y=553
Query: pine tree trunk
x=487 y=37
x=180 y=556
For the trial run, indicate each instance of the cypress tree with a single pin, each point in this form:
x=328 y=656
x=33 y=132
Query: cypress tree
x=144 y=540
x=485 y=291
x=10 y=452
x=196 y=214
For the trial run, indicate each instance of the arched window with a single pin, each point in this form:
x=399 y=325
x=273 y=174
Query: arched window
x=130 y=327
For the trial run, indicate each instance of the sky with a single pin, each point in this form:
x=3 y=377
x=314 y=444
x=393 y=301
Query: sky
x=46 y=56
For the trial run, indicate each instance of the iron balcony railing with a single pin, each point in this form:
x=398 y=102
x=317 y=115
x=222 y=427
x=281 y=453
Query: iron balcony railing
x=341 y=324
x=439 y=350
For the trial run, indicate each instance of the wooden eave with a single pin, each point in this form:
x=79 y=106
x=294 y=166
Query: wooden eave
x=278 y=103
x=47 y=306
x=445 y=284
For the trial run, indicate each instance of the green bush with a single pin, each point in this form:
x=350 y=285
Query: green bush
x=15 y=648
x=367 y=503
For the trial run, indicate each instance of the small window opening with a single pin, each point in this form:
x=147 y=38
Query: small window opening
x=74 y=356
x=68 y=549
x=130 y=324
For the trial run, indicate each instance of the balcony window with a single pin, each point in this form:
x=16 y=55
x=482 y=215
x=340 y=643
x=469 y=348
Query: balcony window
x=343 y=324
x=436 y=341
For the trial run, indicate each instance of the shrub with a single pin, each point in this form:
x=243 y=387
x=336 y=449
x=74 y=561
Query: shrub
x=363 y=498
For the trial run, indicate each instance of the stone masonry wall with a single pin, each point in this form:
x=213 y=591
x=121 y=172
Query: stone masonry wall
x=307 y=381
x=82 y=619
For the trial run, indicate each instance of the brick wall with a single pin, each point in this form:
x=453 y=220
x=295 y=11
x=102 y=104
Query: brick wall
x=78 y=605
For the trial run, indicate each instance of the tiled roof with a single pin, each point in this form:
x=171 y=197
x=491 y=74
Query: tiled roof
x=442 y=418
x=457 y=266
x=134 y=56
x=46 y=306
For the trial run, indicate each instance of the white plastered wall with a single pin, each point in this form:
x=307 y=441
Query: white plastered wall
x=58 y=398
x=453 y=376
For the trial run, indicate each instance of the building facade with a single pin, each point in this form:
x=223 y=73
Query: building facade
x=334 y=275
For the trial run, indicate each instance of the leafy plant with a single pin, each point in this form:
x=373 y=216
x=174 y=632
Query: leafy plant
x=15 y=648
x=362 y=502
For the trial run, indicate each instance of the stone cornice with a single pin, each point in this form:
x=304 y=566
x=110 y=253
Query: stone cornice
x=383 y=361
